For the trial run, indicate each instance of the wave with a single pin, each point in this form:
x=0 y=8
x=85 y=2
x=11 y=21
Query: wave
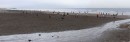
x=120 y=11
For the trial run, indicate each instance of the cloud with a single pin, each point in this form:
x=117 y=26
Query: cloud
x=44 y=3
x=65 y=3
x=109 y=3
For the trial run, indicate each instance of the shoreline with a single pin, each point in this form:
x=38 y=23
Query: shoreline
x=32 y=22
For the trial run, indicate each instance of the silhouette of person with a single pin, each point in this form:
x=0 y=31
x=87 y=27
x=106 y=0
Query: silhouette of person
x=97 y=15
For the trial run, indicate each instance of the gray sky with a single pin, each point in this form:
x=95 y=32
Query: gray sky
x=64 y=4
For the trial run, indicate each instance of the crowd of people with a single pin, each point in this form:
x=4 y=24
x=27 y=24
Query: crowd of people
x=103 y=15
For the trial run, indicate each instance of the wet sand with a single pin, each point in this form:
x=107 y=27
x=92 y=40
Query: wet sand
x=116 y=35
x=109 y=32
x=21 y=23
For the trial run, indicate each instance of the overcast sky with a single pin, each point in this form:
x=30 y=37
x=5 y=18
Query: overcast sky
x=65 y=4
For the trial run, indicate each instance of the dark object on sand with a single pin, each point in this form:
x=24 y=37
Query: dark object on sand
x=52 y=36
x=36 y=14
x=53 y=12
x=97 y=15
x=62 y=18
x=39 y=34
x=49 y=16
x=57 y=36
x=67 y=13
x=29 y=40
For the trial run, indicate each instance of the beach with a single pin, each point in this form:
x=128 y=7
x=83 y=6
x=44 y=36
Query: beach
x=19 y=22
x=45 y=26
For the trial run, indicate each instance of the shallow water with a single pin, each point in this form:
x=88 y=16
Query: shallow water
x=106 y=33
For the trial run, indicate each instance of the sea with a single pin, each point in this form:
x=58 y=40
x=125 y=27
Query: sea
x=125 y=11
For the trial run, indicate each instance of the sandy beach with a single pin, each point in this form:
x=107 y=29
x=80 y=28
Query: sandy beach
x=45 y=26
x=20 y=22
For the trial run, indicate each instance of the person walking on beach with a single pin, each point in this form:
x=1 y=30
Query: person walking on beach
x=62 y=18
x=97 y=16
x=103 y=15
x=106 y=14
x=67 y=13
